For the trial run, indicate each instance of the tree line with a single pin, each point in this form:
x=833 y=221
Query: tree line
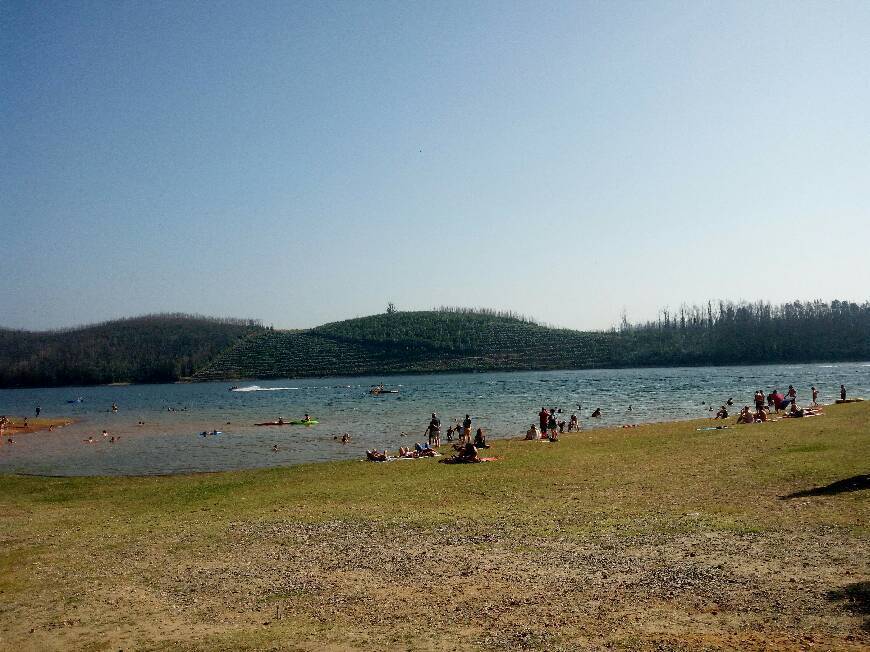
x=726 y=332
x=147 y=349
x=166 y=348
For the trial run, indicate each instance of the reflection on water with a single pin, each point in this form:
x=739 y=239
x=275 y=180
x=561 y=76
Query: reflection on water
x=504 y=404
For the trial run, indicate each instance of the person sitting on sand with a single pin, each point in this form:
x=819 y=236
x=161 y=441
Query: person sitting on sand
x=533 y=433
x=722 y=413
x=745 y=416
x=597 y=413
x=468 y=455
x=376 y=455
x=480 y=439
x=760 y=415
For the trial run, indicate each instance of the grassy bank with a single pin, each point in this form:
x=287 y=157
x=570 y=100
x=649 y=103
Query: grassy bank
x=657 y=537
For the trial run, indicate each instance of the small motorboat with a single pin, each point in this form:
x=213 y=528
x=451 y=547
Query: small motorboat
x=377 y=390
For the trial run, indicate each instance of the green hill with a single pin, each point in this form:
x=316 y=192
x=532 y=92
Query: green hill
x=165 y=348
x=148 y=349
x=407 y=342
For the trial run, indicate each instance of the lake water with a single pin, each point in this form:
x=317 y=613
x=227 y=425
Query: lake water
x=504 y=404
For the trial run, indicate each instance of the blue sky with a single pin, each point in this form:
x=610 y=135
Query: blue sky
x=308 y=162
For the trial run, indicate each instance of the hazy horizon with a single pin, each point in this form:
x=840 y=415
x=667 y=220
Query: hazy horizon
x=302 y=164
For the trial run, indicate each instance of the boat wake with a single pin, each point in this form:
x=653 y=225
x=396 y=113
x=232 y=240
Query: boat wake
x=257 y=388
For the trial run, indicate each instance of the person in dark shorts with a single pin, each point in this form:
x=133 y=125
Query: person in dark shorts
x=842 y=392
x=434 y=430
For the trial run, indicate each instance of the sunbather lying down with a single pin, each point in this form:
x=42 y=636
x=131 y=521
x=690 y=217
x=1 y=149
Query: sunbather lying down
x=797 y=413
x=418 y=451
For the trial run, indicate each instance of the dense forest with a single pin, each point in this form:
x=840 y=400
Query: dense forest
x=166 y=348
x=748 y=333
x=147 y=349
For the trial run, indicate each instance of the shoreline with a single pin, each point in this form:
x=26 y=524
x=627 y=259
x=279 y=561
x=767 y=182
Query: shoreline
x=191 y=380
x=446 y=448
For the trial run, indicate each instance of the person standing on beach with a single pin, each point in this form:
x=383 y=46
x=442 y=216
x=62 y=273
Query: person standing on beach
x=815 y=395
x=842 y=392
x=552 y=424
x=38 y=410
x=466 y=430
x=434 y=430
x=543 y=417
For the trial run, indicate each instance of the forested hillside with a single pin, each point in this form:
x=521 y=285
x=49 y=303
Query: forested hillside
x=166 y=348
x=149 y=349
x=748 y=333
x=405 y=342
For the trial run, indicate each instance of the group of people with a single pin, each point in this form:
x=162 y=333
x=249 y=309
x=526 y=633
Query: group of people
x=466 y=451
x=551 y=425
x=777 y=403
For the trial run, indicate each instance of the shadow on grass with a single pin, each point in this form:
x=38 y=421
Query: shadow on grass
x=856 y=598
x=855 y=483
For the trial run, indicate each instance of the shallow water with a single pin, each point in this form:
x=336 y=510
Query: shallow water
x=504 y=404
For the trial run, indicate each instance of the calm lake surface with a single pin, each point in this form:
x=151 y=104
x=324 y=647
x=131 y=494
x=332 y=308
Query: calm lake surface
x=504 y=404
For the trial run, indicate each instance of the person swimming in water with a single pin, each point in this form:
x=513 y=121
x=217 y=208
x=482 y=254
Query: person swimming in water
x=597 y=413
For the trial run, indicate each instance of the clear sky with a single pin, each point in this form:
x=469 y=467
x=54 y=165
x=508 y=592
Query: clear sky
x=309 y=162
